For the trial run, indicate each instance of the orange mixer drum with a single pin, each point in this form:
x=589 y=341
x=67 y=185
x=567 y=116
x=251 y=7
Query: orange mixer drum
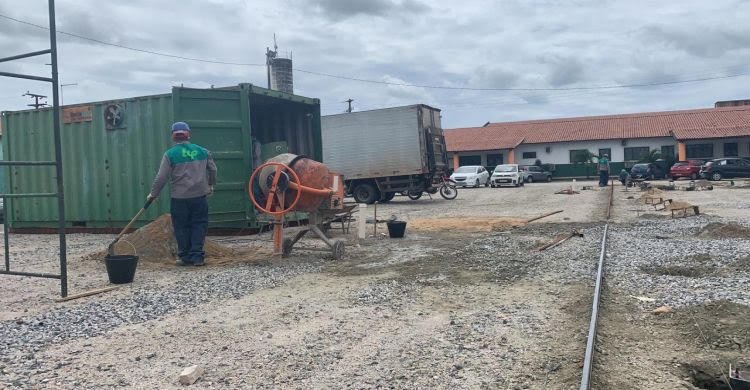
x=311 y=174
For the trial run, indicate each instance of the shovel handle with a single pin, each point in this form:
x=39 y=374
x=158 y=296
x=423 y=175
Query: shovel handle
x=122 y=233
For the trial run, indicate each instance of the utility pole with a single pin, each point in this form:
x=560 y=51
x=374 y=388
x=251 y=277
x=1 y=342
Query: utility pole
x=62 y=102
x=36 y=98
x=350 y=100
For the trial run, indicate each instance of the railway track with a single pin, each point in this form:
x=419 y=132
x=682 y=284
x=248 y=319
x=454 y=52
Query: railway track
x=588 y=361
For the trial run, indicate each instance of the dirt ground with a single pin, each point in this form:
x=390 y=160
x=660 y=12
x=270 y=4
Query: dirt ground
x=463 y=301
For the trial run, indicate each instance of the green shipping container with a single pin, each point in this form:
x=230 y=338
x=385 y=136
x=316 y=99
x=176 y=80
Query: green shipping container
x=112 y=150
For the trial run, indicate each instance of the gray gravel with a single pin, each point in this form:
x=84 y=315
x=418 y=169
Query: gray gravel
x=678 y=269
x=20 y=339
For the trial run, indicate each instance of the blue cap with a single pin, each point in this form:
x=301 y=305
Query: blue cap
x=180 y=126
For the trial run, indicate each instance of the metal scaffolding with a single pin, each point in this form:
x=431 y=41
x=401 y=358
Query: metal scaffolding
x=52 y=51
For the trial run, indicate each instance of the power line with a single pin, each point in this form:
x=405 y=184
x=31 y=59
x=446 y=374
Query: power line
x=390 y=83
x=132 y=48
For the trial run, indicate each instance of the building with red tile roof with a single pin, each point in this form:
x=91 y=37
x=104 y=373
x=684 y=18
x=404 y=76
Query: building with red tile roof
x=700 y=134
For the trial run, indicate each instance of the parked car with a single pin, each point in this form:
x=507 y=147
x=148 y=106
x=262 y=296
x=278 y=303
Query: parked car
x=720 y=168
x=532 y=173
x=689 y=168
x=471 y=175
x=507 y=174
x=646 y=171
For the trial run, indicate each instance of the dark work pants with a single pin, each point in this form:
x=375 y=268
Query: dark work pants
x=603 y=178
x=190 y=223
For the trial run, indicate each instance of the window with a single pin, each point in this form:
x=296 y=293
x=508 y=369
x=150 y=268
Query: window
x=699 y=150
x=529 y=154
x=469 y=160
x=579 y=156
x=635 y=154
x=494 y=159
x=731 y=149
x=607 y=151
x=667 y=152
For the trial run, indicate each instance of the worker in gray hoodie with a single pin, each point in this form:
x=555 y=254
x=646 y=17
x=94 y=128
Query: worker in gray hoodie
x=191 y=172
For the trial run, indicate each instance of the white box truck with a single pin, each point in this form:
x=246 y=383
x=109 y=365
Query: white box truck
x=386 y=151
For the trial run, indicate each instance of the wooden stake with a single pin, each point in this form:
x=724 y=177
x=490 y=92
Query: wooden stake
x=543 y=216
x=86 y=294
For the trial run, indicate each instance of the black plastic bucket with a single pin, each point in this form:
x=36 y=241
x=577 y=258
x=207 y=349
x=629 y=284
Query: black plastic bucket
x=396 y=229
x=121 y=268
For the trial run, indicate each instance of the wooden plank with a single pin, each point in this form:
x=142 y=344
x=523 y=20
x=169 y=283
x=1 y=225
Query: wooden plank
x=86 y=294
x=544 y=216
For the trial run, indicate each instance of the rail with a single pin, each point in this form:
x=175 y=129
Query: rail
x=588 y=361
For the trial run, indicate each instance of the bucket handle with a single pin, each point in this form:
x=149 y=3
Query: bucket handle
x=135 y=252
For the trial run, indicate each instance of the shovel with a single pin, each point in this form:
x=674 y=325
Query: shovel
x=111 y=248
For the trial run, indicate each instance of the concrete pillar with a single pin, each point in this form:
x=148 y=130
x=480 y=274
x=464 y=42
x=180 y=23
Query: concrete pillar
x=511 y=156
x=455 y=161
x=681 y=151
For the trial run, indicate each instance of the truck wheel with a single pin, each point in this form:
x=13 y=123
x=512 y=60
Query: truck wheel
x=366 y=193
x=387 y=197
x=716 y=176
x=549 y=179
x=530 y=179
x=694 y=176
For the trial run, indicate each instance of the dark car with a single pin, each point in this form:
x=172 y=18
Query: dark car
x=690 y=169
x=532 y=173
x=646 y=171
x=720 y=168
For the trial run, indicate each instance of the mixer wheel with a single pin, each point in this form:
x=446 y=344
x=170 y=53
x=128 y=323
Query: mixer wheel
x=338 y=250
x=286 y=247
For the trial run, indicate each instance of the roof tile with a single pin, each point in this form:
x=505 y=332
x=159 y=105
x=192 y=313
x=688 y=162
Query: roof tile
x=683 y=125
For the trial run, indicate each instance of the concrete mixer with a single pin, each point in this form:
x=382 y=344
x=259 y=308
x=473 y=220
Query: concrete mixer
x=288 y=183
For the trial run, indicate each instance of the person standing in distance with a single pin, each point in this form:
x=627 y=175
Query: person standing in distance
x=191 y=172
x=603 y=166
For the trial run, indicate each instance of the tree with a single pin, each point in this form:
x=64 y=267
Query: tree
x=652 y=156
x=586 y=157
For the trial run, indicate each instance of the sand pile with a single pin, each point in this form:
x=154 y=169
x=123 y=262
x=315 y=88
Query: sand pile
x=155 y=242
x=466 y=224
x=725 y=230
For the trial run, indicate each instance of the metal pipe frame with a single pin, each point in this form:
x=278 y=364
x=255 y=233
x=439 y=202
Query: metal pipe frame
x=54 y=80
x=26 y=55
x=27 y=163
x=33 y=274
x=26 y=76
x=588 y=361
x=31 y=195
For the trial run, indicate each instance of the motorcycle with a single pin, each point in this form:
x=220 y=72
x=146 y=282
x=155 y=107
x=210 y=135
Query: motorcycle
x=445 y=186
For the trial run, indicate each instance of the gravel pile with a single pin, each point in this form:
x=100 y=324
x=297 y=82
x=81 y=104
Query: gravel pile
x=22 y=338
x=671 y=261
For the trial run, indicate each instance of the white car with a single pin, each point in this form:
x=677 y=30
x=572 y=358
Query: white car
x=506 y=174
x=471 y=175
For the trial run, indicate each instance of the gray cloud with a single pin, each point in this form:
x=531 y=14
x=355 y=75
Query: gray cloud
x=348 y=8
x=482 y=43
x=493 y=77
x=565 y=72
x=700 y=41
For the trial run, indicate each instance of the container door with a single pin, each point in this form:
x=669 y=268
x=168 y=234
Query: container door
x=220 y=122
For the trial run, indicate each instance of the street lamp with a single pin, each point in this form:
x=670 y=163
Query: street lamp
x=61 y=91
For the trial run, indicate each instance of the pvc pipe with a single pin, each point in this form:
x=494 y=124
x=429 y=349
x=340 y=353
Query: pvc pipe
x=362 y=222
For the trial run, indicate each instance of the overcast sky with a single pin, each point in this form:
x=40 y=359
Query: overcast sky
x=476 y=44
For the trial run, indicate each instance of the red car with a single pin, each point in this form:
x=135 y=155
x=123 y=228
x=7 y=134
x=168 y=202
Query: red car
x=690 y=168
